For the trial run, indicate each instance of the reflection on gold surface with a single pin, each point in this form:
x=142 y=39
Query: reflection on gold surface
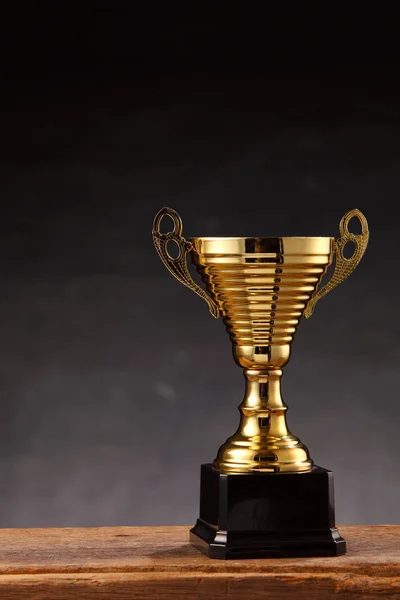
x=261 y=287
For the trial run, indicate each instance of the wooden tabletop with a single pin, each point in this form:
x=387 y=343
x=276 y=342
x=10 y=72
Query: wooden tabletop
x=158 y=562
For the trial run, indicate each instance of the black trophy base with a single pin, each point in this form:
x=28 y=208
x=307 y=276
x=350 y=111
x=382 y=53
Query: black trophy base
x=267 y=515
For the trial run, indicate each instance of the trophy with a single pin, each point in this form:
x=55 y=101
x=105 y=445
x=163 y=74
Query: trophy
x=263 y=496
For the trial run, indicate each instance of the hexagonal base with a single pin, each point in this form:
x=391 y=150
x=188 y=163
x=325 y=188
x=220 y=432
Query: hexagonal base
x=264 y=515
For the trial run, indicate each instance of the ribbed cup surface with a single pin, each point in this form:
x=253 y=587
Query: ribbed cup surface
x=262 y=285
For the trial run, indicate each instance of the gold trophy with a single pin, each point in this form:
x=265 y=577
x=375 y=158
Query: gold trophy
x=263 y=496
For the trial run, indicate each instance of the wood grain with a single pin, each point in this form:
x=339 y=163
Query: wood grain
x=158 y=562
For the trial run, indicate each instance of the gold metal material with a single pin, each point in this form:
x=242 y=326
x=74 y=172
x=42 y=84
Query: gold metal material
x=344 y=266
x=178 y=266
x=261 y=287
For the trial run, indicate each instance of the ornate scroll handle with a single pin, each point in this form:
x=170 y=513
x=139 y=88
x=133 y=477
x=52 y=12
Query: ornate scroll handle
x=178 y=266
x=344 y=266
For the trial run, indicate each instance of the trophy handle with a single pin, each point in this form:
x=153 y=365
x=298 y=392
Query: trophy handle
x=178 y=266
x=344 y=266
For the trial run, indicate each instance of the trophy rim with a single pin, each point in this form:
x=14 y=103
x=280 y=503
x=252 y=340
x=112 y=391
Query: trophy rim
x=269 y=237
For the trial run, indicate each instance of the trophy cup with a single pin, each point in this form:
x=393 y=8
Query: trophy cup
x=263 y=496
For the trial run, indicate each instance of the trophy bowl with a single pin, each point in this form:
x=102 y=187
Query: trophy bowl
x=263 y=496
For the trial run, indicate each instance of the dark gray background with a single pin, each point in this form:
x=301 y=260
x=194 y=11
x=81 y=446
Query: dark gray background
x=115 y=382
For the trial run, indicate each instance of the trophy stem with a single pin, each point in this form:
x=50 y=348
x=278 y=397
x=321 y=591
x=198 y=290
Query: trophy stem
x=263 y=441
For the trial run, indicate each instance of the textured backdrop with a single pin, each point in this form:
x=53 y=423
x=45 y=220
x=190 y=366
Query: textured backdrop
x=115 y=382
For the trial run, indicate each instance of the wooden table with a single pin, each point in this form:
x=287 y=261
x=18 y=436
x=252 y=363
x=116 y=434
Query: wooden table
x=157 y=562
